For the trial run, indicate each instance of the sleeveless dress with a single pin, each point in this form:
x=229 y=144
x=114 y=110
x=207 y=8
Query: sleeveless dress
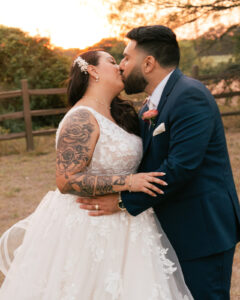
x=61 y=253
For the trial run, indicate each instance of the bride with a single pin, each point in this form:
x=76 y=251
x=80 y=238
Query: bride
x=60 y=252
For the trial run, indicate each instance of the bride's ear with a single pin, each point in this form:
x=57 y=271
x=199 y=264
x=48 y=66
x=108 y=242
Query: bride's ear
x=92 y=71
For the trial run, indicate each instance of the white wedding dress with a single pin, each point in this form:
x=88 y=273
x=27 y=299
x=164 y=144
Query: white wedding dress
x=67 y=255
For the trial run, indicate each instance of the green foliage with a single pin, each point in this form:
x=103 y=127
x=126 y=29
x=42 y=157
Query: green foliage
x=188 y=55
x=236 y=48
x=112 y=45
x=22 y=56
x=117 y=51
x=213 y=55
x=31 y=58
x=3 y=130
x=34 y=59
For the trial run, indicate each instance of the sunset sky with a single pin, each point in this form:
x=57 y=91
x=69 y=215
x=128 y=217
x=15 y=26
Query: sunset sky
x=72 y=23
x=77 y=23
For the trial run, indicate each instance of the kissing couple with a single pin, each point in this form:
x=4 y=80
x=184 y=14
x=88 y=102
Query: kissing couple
x=159 y=215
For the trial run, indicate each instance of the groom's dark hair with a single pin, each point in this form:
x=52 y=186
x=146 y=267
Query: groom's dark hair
x=158 y=41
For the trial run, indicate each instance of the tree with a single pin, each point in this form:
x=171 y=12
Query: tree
x=32 y=58
x=237 y=47
x=173 y=13
x=112 y=45
x=188 y=55
x=22 y=56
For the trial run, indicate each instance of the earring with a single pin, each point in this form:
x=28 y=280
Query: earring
x=97 y=79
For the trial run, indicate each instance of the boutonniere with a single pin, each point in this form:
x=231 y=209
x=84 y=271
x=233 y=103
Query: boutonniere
x=150 y=116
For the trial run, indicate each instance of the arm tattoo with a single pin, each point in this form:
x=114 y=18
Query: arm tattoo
x=73 y=143
x=104 y=186
x=73 y=156
x=83 y=184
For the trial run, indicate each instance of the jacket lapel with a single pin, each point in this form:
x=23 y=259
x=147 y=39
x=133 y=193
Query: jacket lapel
x=166 y=91
x=141 y=122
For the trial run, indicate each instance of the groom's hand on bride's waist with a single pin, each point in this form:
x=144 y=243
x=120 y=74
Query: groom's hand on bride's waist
x=100 y=205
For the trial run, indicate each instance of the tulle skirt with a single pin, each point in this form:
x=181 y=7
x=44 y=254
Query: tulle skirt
x=61 y=253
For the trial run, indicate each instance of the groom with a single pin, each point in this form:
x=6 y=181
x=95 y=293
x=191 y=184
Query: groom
x=199 y=210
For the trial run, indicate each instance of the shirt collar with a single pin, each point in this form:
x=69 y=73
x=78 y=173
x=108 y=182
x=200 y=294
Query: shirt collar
x=157 y=93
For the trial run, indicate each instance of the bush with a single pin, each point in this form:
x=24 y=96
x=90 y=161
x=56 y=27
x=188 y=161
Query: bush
x=32 y=58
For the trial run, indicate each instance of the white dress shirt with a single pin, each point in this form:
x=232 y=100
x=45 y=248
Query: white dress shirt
x=157 y=93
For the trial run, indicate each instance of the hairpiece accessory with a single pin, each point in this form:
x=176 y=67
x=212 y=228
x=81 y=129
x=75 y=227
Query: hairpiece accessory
x=83 y=65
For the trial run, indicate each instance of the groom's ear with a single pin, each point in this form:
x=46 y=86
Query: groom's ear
x=149 y=63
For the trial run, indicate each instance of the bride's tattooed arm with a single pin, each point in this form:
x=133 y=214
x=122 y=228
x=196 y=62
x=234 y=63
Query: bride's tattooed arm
x=75 y=147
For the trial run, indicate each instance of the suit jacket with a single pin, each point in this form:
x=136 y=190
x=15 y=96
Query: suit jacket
x=199 y=210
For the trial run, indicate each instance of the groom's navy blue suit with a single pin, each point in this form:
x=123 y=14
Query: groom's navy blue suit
x=199 y=210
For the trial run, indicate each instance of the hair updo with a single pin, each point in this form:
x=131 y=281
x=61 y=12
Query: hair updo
x=122 y=111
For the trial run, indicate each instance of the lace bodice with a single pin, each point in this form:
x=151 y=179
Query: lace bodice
x=116 y=151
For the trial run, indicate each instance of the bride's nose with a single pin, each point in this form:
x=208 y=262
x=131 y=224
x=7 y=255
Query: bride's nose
x=121 y=67
x=118 y=69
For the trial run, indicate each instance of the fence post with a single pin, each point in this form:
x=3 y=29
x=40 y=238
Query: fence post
x=27 y=115
x=195 y=71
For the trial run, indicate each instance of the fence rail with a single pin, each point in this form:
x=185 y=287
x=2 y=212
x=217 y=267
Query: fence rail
x=11 y=94
x=27 y=113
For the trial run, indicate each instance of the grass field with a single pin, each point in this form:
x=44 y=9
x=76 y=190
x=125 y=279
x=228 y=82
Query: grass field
x=26 y=177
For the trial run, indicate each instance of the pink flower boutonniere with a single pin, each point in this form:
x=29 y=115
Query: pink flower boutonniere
x=149 y=116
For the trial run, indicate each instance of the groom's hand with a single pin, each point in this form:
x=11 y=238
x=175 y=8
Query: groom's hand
x=100 y=205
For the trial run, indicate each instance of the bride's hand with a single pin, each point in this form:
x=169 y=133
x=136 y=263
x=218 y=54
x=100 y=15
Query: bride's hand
x=143 y=182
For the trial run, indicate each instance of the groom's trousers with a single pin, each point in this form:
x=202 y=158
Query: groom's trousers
x=209 y=278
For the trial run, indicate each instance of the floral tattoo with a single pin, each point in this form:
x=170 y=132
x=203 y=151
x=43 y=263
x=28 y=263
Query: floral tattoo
x=74 y=154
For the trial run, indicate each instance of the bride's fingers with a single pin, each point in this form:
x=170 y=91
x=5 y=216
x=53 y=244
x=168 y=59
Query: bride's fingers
x=157 y=180
x=154 y=188
x=155 y=174
x=149 y=192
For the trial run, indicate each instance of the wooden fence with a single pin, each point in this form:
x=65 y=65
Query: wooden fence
x=217 y=78
x=27 y=113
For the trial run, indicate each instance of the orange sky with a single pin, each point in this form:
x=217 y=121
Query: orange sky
x=227 y=18
x=72 y=23
x=76 y=23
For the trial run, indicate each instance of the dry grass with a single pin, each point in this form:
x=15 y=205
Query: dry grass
x=26 y=177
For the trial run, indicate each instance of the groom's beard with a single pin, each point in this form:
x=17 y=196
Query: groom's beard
x=135 y=82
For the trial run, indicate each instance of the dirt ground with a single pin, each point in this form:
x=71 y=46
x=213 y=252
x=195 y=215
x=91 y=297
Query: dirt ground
x=26 y=177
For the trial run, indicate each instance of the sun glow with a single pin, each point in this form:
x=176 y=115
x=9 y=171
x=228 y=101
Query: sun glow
x=69 y=24
x=193 y=30
x=82 y=23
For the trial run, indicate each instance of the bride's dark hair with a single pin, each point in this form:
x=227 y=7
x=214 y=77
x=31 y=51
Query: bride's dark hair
x=122 y=111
